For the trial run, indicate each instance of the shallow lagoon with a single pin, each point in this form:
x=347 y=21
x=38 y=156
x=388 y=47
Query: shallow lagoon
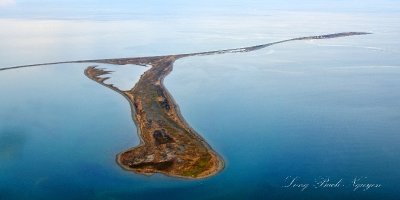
x=308 y=109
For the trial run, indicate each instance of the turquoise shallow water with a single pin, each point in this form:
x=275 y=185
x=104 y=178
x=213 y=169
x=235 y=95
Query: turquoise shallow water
x=312 y=110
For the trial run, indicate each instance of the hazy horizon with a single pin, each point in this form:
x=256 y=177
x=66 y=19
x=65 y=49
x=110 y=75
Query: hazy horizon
x=91 y=9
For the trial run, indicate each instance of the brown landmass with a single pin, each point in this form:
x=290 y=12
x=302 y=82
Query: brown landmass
x=168 y=144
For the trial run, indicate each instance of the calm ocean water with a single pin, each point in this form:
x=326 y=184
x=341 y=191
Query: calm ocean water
x=311 y=111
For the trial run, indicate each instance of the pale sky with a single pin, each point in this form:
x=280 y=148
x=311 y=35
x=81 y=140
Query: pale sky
x=130 y=8
x=6 y=2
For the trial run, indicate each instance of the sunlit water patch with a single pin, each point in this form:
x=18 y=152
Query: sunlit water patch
x=123 y=77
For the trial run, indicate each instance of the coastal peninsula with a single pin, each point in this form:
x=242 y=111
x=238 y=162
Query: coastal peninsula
x=168 y=144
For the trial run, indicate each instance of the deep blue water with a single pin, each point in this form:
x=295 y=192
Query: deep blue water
x=320 y=109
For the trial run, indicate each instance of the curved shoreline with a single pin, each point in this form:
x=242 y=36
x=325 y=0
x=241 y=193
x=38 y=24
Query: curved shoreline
x=141 y=143
x=93 y=73
x=168 y=144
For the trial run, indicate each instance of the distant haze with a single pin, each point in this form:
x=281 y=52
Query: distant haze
x=132 y=9
x=6 y=2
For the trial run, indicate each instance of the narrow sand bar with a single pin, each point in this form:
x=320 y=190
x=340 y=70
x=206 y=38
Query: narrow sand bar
x=168 y=144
